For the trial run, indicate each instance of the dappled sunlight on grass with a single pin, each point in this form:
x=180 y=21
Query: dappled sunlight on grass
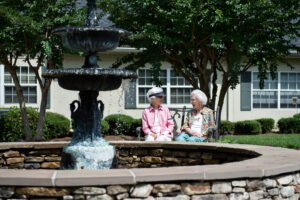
x=291 y=141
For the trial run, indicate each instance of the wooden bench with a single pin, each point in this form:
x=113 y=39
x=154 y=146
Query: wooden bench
x=213 y=133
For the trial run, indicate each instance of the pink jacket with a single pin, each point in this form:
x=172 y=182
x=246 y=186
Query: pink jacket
x=165 y=120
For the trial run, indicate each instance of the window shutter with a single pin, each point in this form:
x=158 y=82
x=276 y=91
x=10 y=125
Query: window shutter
x=246 y=91
x=49 y=93
x=130 y=95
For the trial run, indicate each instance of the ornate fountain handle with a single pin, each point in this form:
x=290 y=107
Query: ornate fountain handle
x=73 y=107
x=101 y=106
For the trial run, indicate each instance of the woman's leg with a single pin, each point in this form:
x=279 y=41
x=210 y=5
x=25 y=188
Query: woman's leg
x=149 y=138
x=182 y=137
x=196 y=139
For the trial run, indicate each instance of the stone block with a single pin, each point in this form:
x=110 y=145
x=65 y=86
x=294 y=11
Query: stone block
x=195 y=154
x=53 y=158
x=221 y=187
x=122 y=196
x=285 y=180
x=34 y=159
x=166 y=188
x=32 y=165
x=168 y=153
x=181 y=154
x=140 y=152
x=50 y=165
x=239 y=196
x=172 y=160
x=238 y=190
x=287 y=191
x=178 y=197
x=142 y=191
x=297 y=188
x=42 y=191
x=116 y=189
x=191 y=161
x=211 y=162
x=156 y=152
x=196 y=188
x=68 y=197
x=79 y=197
x=210 y=197
x=253 y=185
x=297 y=179
x=150 y=159
x=258 y=194
x=6 y=192
x=100 y=197
x=207 y=156
x=11 y=154
x=239 y=183
x=269 y=183
x=90 y=191
x=14 y=160
x=273 y=192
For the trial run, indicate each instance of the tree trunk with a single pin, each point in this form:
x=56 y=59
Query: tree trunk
x=41 y=122
x=223 y=92
x=22 y=104
x=214 y=90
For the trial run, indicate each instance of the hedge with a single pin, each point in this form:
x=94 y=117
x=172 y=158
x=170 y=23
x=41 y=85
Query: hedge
x=120 y=124
x=11 y=128
x=55 y=126
x=227 y=126
x=297 y=115
x=104 y=127
x=267 y=124
x=248 y=127
x=289 y=125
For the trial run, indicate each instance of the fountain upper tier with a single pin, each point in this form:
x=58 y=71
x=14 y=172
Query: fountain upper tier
x=90 y=39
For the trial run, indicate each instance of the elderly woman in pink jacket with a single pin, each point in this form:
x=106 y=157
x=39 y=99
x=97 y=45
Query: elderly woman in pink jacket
x=158 y=124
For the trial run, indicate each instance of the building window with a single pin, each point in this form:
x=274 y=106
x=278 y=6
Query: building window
x=289 y=89
x=28 y=83
x=277 y=93
x=176 y=88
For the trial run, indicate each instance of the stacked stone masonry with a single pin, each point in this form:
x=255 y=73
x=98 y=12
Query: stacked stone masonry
x=278 y=187
x=30 y=158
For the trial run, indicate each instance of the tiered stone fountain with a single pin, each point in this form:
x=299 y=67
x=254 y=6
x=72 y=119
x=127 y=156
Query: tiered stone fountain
x=88 y=150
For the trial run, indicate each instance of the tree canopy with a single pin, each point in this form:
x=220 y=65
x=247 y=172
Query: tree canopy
x=26 y=33
x=204 y=39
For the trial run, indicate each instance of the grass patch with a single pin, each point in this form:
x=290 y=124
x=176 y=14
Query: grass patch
x=291 y=141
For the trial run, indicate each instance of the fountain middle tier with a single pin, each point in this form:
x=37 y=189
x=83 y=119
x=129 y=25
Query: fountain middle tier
x=90 y=79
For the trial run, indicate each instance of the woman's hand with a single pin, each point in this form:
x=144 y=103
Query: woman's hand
x=153 y=135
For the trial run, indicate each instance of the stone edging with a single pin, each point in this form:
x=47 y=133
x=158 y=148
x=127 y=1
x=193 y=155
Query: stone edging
x=272 y=161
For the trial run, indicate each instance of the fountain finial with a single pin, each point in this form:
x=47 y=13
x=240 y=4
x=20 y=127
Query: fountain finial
x=91 y=18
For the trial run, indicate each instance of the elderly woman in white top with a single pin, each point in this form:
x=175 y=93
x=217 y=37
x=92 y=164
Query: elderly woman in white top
x=157 y=122
x=198 y=120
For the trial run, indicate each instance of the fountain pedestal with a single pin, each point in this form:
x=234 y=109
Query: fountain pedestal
x=87 y=150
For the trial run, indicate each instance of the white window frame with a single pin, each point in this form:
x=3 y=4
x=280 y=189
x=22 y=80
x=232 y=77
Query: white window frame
x=168 y=87
x=2 y=90
x=278 y=91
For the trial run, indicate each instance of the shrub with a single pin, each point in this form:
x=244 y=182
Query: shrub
x=104 y=127
x=267 y=124
x=227 y=126
x=120 y=124
x=289 y=125
x=248 y=127
x=12 y=127
x=297 y=115
x=55 y=126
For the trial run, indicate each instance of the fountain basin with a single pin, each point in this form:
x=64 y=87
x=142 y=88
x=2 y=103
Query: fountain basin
x=266 y=165
x=90 y=39
x=90 y=79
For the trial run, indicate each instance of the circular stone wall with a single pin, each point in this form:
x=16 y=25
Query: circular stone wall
x=267 y=173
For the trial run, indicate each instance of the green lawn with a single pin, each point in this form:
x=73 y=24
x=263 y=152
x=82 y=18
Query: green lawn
x=291 y=141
